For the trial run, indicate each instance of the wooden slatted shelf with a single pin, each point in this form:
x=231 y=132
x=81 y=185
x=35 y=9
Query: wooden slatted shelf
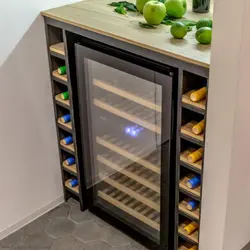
x=61 y=77
x=201 y=105
x=197 y=166
x=126 y=150
x=193 y=214
x=73 y=189
x=131 y=206
x=182 y=248
x=135 y=97
x=67 y=125
x=132 y=112
x=193 y=237
x=69 y=147
x=135 y=190
x=183 y=185
x=135 y=171
x=186 y=130
x=71 y=169
x=58 y=48
x=60 y=100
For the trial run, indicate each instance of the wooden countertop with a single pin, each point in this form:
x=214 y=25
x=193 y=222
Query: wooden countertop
x=97 y=16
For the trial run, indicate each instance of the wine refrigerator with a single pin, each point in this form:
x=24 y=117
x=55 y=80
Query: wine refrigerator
x=127 y=116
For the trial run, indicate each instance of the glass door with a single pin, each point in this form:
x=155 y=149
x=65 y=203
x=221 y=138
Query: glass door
x=125 y=113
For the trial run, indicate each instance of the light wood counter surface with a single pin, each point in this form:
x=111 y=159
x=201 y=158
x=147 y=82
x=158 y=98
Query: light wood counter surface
x=97 y=16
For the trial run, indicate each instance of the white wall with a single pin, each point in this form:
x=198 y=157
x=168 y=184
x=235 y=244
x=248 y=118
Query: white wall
x=29 y=162
x=225 y=223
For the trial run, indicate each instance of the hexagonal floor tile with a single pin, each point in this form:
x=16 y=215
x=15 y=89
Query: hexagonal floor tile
x=59 y=212
x=38 y=240
x=101 y=222
x=60 y=227
x=67 y=243
x=73 y=203
x=13 y=239
x=88 y=231
x=78 y=216
x=97 y=245
x=37 y=226
x=116 y=238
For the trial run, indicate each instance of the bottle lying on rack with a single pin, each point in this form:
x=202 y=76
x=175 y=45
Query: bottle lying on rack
x=191 y=227
x=73 y=183
x=199 y=127
x=65 y=95
x=199 y=94
x=61 y=70
x=192 y=205
x=65 y=118
x=70 y=161
x=194 y=182
x=196 y=155
x=67 y=140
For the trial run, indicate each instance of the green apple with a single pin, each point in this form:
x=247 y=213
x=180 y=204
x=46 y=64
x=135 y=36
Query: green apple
x=176 y=8
x=140 y=4
x=154 y=12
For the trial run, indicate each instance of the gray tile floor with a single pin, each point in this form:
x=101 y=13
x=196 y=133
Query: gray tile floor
x=67 y=228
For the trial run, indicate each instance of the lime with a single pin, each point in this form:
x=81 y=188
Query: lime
x=204 y=35
x=178 y=30
x=204 y=23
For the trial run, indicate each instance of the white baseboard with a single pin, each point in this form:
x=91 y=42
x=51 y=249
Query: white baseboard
x=11 y=229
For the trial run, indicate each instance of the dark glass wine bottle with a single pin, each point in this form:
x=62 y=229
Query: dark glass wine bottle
x=201 y=6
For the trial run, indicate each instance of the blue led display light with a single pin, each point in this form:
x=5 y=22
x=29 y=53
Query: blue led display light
x=133 y=131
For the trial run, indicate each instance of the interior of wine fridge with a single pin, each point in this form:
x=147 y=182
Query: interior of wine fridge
x=127 y=116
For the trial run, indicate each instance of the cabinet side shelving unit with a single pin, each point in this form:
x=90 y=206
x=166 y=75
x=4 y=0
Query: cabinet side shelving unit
x=189 y=114
x=57 y=51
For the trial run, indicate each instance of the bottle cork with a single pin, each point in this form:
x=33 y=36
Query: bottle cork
x=196 y=155
x=198 y=94
x=61 y=70
x=65 y=95
x=199 y=127
x=191 y=227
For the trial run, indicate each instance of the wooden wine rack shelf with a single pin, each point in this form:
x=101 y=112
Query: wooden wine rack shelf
x=184 y=158
x=58 y=48
x=183 y=185
x=74 y=189
x=187 y=130
x=59 y=99
x=183 y=208
x=71 y=168
x=67 y=125
x=61 y=77
x=135 y=171
x=131 y=206
x=135 y=190
x=132 y=112
x=192 y=237
x=186 y=99
x=130 y=152
x=135 y=97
